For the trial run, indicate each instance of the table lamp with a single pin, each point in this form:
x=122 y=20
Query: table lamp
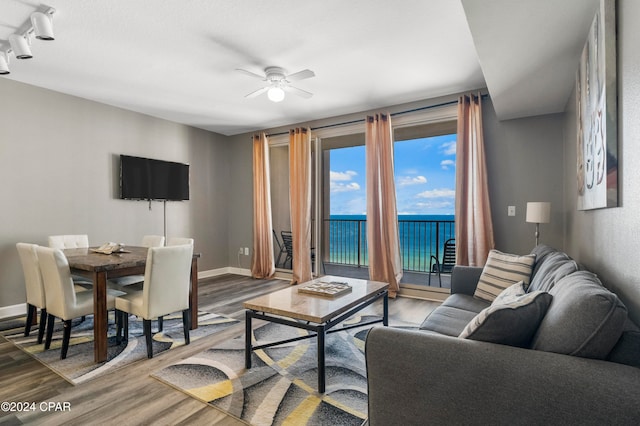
x=538 y=212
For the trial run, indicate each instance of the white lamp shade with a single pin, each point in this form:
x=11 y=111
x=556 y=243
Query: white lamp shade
x=20 y=46
x=538 y=212
x=275 y=94
x=42 y=26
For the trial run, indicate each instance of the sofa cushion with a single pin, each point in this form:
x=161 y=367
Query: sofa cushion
x=584 y=318
x=466 y=303
x=554 y=267
x=501 y=271
x=627 y=349
x=541 y=251
x=447 y=320
x=512 y=318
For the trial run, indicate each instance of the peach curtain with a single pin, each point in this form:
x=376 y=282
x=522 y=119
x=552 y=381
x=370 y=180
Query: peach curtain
x=262 y=263
x=383 y=241
x=300 y=202
x=474 y=227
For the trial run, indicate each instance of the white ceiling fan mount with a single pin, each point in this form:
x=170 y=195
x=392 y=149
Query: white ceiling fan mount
x=279 y=83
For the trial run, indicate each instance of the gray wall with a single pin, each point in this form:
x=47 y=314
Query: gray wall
x=525 y=163
x=59 y=175
x=607 y=241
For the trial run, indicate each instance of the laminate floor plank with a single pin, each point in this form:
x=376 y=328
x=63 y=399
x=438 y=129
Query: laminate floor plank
x=129 y=396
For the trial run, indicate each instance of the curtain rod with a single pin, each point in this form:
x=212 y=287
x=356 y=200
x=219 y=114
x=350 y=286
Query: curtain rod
x=362 y=120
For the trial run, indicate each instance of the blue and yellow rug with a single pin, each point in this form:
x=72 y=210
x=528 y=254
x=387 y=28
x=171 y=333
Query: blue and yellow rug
x=281 y=387
x=79 y=365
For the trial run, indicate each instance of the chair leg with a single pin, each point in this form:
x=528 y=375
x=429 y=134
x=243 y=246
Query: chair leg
x=146 y=325
x=42 y=325
x=160 y=324
x=186 y=325
x=50 y=322
x=66 y=336
x=31 y=312
x=125 y=320
x=119 y=320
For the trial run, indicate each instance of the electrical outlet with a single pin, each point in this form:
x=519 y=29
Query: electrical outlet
x=246 y=251
x=240 y=251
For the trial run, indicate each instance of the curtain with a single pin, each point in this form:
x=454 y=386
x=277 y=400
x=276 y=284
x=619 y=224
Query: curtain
x=300 y=202
x=262 y=264
x=474 y=228
x=383 y=241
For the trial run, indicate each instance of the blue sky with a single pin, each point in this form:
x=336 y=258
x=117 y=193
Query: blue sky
x=425 y=177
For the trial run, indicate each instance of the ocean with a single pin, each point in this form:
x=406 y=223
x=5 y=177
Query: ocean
x=421 y=236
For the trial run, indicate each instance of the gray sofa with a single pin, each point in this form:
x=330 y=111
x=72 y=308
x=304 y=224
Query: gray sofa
x=579 y=365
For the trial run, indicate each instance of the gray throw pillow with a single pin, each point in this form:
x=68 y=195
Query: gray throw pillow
x=512 y=318
x=584 y=319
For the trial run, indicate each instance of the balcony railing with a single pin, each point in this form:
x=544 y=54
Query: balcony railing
x=419 y=240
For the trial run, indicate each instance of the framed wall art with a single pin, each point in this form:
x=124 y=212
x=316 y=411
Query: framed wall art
x=596 y=89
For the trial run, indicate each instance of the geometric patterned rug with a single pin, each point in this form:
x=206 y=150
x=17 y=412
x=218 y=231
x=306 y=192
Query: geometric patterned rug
x=79 y=365
x=281 y=386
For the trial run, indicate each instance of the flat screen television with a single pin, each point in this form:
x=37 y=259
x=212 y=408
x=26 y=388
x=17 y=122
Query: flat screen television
x=150 y=179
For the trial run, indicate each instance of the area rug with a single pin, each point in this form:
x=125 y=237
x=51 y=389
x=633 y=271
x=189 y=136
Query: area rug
x=281 y=386
x=79 y=365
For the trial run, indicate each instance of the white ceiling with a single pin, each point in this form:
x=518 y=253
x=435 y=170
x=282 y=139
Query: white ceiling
x=176 y=59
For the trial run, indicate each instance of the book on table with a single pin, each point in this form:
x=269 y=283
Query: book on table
x=325 y=288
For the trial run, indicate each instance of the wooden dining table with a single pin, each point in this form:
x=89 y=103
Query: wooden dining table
x=101 y=267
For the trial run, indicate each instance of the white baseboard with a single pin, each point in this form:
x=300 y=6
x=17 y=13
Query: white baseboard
x=221 y=271
x=13 y=311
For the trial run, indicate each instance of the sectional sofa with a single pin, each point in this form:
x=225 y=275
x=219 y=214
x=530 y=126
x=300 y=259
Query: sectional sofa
x=556 y=347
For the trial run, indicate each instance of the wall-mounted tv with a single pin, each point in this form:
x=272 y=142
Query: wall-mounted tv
x=149 y=179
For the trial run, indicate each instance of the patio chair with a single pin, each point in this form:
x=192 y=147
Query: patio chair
x=282 y=250
x=444 y=266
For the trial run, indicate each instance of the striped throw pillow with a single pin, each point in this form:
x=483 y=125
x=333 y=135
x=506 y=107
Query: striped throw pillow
x=501 y=271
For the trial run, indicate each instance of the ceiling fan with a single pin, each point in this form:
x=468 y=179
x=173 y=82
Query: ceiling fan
x=279 y=83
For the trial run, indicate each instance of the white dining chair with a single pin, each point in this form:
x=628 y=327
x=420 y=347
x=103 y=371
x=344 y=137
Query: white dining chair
x=165 y=290
x=34 y=288
x=147 y=241
x=179 y=241
x=72 y=241
x=68 y=241
x=62 y=300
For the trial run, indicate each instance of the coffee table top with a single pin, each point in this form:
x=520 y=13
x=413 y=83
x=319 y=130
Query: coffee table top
x=318 y=309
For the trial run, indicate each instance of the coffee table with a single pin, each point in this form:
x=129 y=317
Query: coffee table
x=318 y=314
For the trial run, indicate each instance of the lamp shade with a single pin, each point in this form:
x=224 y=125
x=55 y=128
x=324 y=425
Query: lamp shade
x=538 y=212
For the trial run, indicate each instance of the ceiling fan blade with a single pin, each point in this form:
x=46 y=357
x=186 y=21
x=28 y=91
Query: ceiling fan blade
x=301 y=75
x=251 y=74
x=257 y=92
x=296 y=91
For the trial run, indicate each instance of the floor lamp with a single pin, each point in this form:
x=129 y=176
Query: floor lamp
x=538 y=212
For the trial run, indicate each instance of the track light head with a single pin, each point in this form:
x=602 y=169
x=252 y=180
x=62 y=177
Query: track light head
x=42 y=25
x=20 y=46
x=4 y=63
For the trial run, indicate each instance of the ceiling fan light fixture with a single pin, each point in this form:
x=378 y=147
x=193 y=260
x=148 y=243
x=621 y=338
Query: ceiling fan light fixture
x=275 y=94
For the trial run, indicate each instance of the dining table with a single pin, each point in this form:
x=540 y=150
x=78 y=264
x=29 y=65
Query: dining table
x=101 y=267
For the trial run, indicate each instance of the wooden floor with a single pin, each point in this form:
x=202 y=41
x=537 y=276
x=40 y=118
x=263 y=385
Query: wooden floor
x=129 y=396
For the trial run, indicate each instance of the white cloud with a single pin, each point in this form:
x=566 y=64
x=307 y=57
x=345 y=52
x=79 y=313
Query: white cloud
x=445 y=164
x=438 y=193
x=411 y=180
x=448 y=148
x=436 y=205
x=344 y=187
x=341 y=176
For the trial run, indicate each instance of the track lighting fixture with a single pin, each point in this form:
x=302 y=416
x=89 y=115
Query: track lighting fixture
x=40 y=24
x=20 y=46
x=4 y=63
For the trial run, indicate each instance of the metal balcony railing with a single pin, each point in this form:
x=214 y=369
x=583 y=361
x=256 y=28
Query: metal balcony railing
x=419 y=239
